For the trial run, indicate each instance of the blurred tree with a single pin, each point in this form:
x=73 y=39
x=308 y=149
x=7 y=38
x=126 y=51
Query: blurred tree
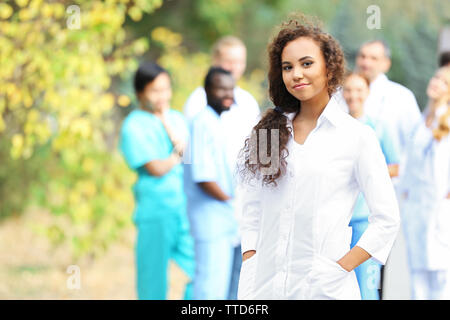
x=412 y=36
x=201 y=22
x=58 y=60
x=415 y=60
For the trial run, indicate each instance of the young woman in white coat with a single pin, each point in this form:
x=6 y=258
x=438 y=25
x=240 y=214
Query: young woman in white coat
x=426 y=192
x=295 y=233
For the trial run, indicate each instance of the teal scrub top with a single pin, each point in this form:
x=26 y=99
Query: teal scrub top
x=143 y=138
x=361 y=210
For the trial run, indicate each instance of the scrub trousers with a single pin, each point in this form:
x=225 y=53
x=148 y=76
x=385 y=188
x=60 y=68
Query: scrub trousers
x=214 y=263
x=158 y=241
x=369 y=272
x=235 y=272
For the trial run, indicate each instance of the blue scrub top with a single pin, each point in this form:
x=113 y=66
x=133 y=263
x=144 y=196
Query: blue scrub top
x=143 y=138
x=206 y=160
x=361 y=210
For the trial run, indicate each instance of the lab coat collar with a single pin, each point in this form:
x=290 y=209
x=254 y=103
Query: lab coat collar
x=332 y=113
x=379 y=81
x=212 y=111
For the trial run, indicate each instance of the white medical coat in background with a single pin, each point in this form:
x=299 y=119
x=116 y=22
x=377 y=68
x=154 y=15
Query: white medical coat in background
x=299 y=229
x=426 y=210
x=238 y=122
x=396 y=106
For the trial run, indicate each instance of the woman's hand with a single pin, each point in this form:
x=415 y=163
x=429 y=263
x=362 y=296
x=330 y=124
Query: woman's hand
x=248 y=254
x=178 y=147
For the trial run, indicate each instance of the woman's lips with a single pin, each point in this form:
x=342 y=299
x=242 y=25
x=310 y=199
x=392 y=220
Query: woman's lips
x=300 y=86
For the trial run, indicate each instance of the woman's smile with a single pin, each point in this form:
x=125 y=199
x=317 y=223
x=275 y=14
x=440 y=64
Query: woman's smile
x=300 y=86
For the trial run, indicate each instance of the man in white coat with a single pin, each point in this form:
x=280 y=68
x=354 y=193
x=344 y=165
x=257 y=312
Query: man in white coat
x=388 y=101
x=230 y=54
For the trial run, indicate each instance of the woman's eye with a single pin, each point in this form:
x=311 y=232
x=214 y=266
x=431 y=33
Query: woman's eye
x=307 y=64
x=286 y=68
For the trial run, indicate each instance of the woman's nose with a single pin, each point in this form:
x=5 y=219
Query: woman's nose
x=298 y=73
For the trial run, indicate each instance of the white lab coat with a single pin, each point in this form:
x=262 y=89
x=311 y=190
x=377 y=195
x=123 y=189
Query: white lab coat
x=396 y=106
x=299 y=229
x=238 y=122
x=426 y=210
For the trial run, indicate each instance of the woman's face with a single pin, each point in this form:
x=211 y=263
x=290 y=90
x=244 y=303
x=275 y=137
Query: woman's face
x=303 y=68
x=157 y=94
x=438 y=86
x=355 y=92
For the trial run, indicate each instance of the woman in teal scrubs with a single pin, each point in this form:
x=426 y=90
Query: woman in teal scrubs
x=152 y=141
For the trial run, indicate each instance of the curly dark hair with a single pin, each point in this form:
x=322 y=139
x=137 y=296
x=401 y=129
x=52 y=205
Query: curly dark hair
x=298 y=26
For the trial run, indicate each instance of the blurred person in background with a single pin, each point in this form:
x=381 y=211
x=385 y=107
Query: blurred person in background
x=425 y=189
x=230 y=53
x=355 y=92
x=210 y=188
x=388 y=101
x=152 y=141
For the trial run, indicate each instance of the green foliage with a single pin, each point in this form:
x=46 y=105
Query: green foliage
x=15 y=178
x=58 y=121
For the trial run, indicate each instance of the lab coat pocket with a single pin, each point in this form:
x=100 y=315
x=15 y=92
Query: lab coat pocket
x=337 y=245
x=247 y=278
x=329 y=281
x=328 y=265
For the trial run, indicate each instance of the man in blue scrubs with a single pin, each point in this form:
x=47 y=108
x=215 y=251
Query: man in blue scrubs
x=209 y=186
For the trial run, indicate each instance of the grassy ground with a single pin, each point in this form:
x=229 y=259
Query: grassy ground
x=31 y=269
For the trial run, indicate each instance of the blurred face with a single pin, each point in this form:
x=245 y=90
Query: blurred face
x=438 y=86
x=157 y=94
x=355 y=92
x=232 y=59
x=220 y=95
x=372 y=61
x=303 y=68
